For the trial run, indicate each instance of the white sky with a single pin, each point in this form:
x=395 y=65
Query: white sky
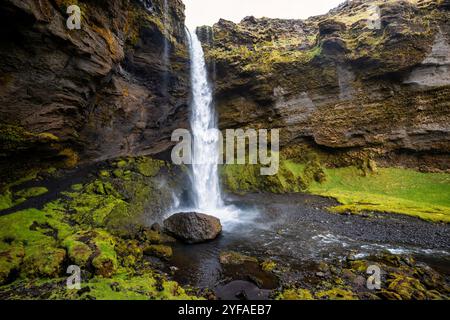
x=208 y=12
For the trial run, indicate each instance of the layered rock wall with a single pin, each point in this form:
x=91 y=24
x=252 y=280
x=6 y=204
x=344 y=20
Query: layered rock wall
x=117 y=87
x=370 y=79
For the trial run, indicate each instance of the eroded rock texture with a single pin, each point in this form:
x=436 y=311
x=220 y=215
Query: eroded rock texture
x=343 y=83
x=119 y=86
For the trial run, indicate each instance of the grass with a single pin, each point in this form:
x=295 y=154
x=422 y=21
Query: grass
x=394 y=190
x=423 y=195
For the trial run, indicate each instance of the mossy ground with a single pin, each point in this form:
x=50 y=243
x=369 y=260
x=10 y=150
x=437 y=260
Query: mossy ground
x=96 y=225
x=402 y=279
x=395 y=190
x=404 y=191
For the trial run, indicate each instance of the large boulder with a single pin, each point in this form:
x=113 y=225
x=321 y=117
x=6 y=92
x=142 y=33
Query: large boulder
x=193 y=227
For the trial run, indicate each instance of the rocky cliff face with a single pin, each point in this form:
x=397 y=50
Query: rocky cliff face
x=118 y=86
x=368 y=79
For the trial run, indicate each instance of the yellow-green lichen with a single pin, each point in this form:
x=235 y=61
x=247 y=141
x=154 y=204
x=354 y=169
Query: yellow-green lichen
x=160 y=251
x=295 y=294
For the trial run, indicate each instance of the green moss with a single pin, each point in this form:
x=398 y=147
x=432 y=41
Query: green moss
x=6 y=200
x=31 y=192
x=104 y=174
x=129 y=252
x=105 y=260
x=93 y=203
x=295 y=294
x=407 y=287
x=37 y=232
x=70 y=157
x=129 y=287
x=11 y=257
x=424 y=195
x=78 y=252
x=121 y=164
x=359 y=266
x=124 y=286
x=43 y=261
x=268 y=265
x=264 y=57
x=11 y=137
x=160 y=251
x=77 y=187
x=336 y=294
x=291 y=177
x=153 y=237
x=149 y=167
x=367 y=188
x=231 y=257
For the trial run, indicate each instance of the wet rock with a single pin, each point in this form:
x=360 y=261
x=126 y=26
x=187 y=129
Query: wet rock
x=156 y=227
x=156 y=237
x=241 y=290
x=231 y=257
x=113 y=61
x=160 y=251
x=316 y=93
x=193 y=227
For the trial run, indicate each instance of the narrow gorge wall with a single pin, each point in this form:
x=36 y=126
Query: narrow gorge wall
x=339 y=84
x=90 y=94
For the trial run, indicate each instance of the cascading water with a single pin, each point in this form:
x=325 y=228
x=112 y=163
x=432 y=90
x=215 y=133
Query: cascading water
x=165 y=54
x=205 y=147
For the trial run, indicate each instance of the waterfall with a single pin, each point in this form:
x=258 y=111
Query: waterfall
x=165 y=55
x=205 y=146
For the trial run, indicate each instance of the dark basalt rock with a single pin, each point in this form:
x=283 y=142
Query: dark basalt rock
x=98 y=91
x=193 y=227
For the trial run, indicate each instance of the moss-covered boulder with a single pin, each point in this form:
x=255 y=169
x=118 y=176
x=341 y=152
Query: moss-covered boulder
x=235 y=258
x=160 y=251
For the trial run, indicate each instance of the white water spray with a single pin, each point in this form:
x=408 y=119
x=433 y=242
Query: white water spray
x=205 y=149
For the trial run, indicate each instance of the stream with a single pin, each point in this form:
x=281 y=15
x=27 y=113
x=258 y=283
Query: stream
x=295 y=230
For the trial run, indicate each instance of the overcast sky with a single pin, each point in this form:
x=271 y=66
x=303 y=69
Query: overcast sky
x=208 y=12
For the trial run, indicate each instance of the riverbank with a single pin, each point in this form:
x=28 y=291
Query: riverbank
x=292 y=240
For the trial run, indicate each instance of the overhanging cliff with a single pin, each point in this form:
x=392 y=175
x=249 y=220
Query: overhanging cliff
x=117 y=87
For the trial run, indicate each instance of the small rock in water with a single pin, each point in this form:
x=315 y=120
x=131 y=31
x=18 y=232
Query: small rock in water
x=193 y=227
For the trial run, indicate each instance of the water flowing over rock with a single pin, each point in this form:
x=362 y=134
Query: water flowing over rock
x=205 y=146
x=193 y=227
x=205 y=153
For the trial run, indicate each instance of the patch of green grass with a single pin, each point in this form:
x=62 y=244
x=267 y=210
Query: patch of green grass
x=423 y=195
x=394 y=190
